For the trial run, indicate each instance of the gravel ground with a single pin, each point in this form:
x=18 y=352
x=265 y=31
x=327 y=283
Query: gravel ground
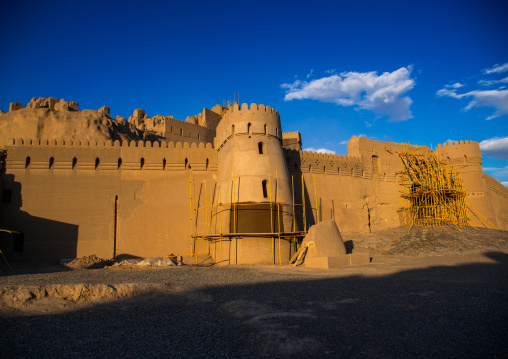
x=427 y=305
x=427 y=240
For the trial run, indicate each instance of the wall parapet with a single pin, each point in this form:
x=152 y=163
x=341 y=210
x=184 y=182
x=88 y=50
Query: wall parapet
x=457 y=143
x=109 y=155
x=245 y=120
x=324 y=163
x=107 y=143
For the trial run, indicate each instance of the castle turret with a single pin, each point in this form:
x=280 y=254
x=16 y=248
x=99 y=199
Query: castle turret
x=466 y=157
x=251 y=164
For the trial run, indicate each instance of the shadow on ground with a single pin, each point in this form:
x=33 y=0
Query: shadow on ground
x=437 y=312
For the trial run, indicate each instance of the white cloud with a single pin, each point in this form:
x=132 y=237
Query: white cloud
x=493 y=82
x=494 y=98
x=310 y=73
x=496 y=147
x=332 y=71
x=320 y=150
x=384 y=95
x=456 y=85
x=497 y=99
x=496 y=69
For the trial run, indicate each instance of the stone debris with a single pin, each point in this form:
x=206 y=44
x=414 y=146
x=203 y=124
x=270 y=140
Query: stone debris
x=152 y=261
x=88 y=262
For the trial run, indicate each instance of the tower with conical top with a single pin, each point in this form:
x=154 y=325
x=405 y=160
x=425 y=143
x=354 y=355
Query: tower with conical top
x=255 y=184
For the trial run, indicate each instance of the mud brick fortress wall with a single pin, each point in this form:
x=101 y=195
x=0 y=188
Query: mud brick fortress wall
x=72 y=197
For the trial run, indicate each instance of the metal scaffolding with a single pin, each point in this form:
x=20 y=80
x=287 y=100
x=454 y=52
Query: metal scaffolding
x=214 y=209
x=432 y=194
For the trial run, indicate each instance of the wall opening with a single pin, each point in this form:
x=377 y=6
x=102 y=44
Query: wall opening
x=119 y=163
x=181 y=132
x=74 y=162
x=232 y=129
x=6 y=196
x=97 y=162
x=206 y=164
x=27 y=162
x=199 y=136
x=310 y=168
x=187 y=164
x=375 y=164
x=51 y=162
x=265 y=191
x=141 y=163
x=265 y=128
x=248 y=127
x=164 y=164
x=261 y=148
x=324 y=169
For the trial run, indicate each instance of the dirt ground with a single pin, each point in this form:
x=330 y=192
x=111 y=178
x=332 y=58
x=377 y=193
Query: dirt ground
x=427 y=293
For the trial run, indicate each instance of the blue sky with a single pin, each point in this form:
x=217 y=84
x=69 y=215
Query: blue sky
x=422 y=72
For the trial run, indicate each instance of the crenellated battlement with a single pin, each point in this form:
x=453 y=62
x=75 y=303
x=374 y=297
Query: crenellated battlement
x=295 y=134
x=457 y=143
x=315 y=162
x=109 y=143
x=108 y=155
x=460 y=153
x=253 y=107
x=245 y=120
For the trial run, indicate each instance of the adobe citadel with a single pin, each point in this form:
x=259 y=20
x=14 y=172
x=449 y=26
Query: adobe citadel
x=226 y=182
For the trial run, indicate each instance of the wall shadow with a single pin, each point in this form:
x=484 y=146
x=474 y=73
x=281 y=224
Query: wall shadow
x=44 y=238
x=436 y=312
